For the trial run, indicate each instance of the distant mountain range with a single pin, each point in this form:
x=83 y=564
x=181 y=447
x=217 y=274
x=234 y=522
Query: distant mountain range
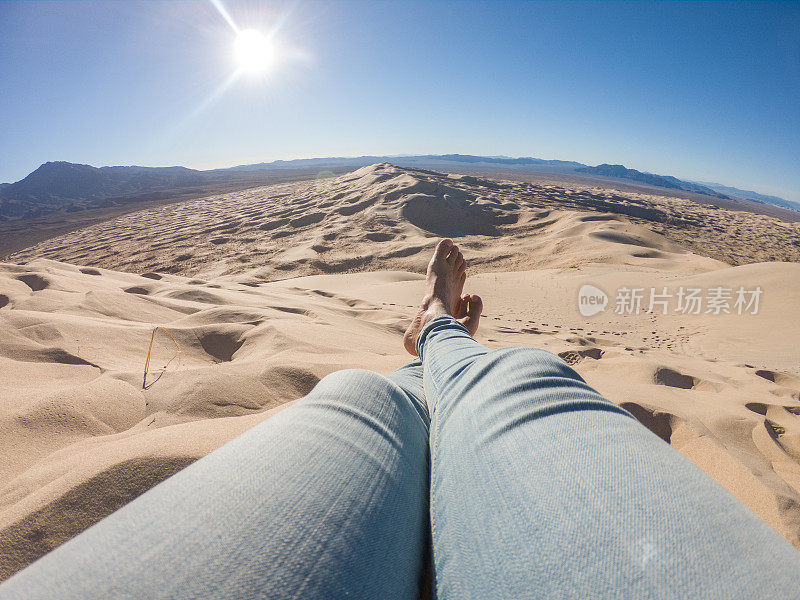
x=751 y=195
x=57 y=185
x=405 y=160
x=706 y=188
x=68 y=186
x=665 y=181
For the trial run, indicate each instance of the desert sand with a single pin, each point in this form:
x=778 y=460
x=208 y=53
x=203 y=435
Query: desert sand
x=267 y=290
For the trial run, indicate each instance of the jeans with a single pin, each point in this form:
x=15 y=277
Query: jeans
x=500 y=474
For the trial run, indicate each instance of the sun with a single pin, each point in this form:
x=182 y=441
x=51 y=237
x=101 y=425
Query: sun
x=255 y=52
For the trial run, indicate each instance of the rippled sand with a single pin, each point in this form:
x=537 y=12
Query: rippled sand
x=267 y=290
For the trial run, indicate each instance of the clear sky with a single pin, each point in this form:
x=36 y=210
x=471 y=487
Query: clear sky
x=703 y=91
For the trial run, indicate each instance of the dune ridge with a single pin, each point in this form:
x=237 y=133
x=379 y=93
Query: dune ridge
x=342 y=259
x=381 y=216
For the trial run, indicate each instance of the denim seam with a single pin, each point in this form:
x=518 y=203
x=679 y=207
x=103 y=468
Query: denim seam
x=434 y=450
x=435 y=426
x=435 y=582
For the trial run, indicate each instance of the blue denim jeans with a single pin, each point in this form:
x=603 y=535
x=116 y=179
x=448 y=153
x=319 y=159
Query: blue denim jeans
x=515 y=477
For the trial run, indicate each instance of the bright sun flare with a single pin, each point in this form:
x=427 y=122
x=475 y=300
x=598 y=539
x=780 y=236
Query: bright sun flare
x=255 y=52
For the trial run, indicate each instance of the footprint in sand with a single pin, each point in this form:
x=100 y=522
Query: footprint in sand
x=573 y=357
x=671 y=378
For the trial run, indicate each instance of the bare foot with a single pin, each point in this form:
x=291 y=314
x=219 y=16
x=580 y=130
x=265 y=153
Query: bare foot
x=469 y=312
x=447 y=272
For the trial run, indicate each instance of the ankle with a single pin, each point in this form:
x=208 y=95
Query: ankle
x=435 y=307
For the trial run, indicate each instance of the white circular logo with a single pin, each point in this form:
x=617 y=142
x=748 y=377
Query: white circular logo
x=591 y=300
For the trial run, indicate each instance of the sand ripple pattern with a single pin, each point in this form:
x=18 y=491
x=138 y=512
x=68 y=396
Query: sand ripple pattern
x=380 y=216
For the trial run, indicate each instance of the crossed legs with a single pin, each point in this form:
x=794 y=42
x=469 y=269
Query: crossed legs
x=539 y=487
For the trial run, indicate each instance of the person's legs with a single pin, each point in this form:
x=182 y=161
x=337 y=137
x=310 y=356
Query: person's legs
x=410 y=379
x=542 y=488
x=327 y=499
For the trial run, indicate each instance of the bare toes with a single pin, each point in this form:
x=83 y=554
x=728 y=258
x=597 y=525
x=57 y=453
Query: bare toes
x=443 y=248
x=461 y=309
x=472 y=313
x=451 y=258
x=475 y=306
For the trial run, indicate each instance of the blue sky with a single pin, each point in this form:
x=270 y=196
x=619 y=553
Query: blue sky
x=704 y=91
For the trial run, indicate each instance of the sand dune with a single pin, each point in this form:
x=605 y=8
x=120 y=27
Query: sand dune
x=381 y=217
x=262 y=292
